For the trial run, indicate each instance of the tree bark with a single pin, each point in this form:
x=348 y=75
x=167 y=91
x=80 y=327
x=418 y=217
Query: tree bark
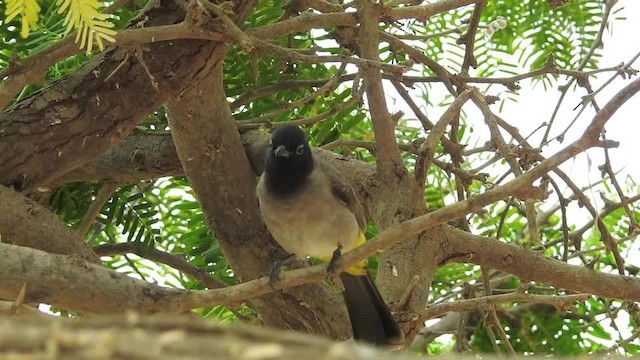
x=99 y=104
x=168 y=337
x=212 y=154
x=26 y=223
x=73 y=284
x=172 y=337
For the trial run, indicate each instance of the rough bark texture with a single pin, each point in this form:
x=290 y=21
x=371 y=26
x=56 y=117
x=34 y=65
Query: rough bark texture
x=389 y=203
x=139 y=156
x=27 y=223
x=74 y=120
x=71 y=283
x=160 y=338
x=212 y=154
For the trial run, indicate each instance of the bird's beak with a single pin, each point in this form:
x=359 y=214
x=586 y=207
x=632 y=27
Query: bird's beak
x=282 y=152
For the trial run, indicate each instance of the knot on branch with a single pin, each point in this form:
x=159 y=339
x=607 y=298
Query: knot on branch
x=346 y=37
x=550 y=66
x=530 y=192
x=221 y=14
x=527 y=156
x=626 y=72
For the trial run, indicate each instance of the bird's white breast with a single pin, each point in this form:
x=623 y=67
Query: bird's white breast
x=310 y=222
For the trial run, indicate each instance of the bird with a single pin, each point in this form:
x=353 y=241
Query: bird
x=311 y=211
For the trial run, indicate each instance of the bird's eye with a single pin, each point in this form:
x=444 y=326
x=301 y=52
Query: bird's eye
x=300 y=149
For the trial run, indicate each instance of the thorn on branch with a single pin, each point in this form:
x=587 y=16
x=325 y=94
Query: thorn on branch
x=409 y=294
x=626 y=72
x=491 y=99
x=549 y=64
x=138 y=54
x=228 y=27
x=530 y=192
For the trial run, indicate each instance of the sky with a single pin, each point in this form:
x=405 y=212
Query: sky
x=535 y=105
x=620 y=45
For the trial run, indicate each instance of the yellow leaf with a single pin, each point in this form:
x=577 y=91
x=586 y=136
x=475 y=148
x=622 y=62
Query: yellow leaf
x=91 y=25
x=27 y=10
x=25 y=27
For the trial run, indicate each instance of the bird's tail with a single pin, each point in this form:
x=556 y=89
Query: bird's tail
x=370 y=317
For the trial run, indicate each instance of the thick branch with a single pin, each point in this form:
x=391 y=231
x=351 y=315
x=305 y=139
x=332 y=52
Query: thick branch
x=388 y=158
x=211 y=152
x=165 y=337
x=308 y=21
x=67 y=111
x=70 y=283
x=533 y=266
x=24 y=222
x=140 y=156
x=59 y=280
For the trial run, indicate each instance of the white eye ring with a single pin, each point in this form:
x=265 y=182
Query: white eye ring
x=300 y=149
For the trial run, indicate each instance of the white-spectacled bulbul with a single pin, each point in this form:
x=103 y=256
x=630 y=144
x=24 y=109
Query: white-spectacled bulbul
x=311 y=211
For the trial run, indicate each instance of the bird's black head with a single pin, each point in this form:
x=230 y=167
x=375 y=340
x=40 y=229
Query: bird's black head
x=289 y=160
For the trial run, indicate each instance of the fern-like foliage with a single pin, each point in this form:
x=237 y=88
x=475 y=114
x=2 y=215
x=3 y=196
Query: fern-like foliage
x=28 y=11
x=135 y=215
x=92 y=26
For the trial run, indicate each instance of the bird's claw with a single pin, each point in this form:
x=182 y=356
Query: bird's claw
x=274 y=270
x=332 y=268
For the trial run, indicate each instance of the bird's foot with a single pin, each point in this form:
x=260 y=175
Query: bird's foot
x=332 y=268
x=274 y=270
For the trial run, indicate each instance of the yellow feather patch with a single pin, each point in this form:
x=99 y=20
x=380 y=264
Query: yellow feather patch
x=359 y=269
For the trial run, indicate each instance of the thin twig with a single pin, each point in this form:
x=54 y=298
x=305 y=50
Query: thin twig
x=468 y=39
x=450 y=147
x=483 y=302
x=608 y=5
x=89 y=217
x=293 y=54
x=175 y=261
x=417 y=55
x=326 y=87
x=565 y=226
x=307 y=121
x=229 y=27
x=624 y=200
x=501 y=145
x=426 y=151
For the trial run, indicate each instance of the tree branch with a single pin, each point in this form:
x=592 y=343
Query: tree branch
x=24 y=222
x=165 y=337
x=173 y=260
x=426 y=151
x=211 y=151
x=140 y=156
x=388 y=158
x=89 y=217
x=503 y=148
x=70 y=283
x=66 y=110
x=468 y=39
